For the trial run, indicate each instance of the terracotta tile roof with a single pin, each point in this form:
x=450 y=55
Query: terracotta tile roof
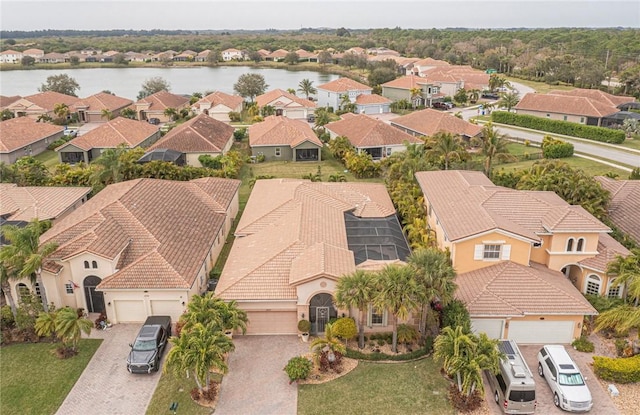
x=608 y=250
x=431 y=62
x=366 y=99
x=162 y=100
x=44 y=100
x=510 y=289
x=292 y=231
x=624 y=206
x=10 y=52
x=467 y=203
x=280 y=53
x=364 y=131
x=6 y=101
x=565 y=104
x=26 y=203
x=407 y=82
x=283 y=131
x=344 y=85
x=114 y=133
x=283 y=99
x=438 y=76
x=305 y=54
x=428 y=122
x=596 y=95
x=201 y=134
x=22 y=131
x=220 y=98
x=163 y=230
x=102 y=101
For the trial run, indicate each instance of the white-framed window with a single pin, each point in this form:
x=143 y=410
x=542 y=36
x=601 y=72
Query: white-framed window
x=68 y=287
x=492 y=252
x=569 y=244
x=278 y=152
x=614 y=291
x=376 y=317
x=580 y=245
x=593 y=285
x=22 y=290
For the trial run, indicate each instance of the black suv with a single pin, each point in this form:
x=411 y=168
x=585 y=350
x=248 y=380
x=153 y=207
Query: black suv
x=151 y=341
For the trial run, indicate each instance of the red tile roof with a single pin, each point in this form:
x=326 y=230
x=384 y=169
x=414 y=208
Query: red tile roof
x=624 y=208
x=201 y=134
x=162 y=100
x=22 y=131
x=279 y=98
x=344 y=85
x=596 y=95
x=364 y=131
x=114 y=133
x=284 y=131
x=407 y=82
x=44 y=100
x=26 y=203
x=102 y=101
x=368 y=99
x=429 y=122
x=6 y=101
x=220 y=98
x=565 y=104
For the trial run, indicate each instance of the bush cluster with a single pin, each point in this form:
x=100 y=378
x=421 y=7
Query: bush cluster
x=297 y=368
x=583 y=345
x=556 y=149
x=621 y=370
x=572 y=129
x=355 y=354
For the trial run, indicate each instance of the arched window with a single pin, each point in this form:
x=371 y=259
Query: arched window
x=94 y=264
x=86 y=264
x=569 y=244
x=22 y=290
x=580 y=245
x=614 y=291
x=593 y=285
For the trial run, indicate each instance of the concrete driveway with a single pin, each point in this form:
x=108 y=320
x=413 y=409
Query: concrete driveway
x=105 y=386
x=602 y=403
x=256 y=382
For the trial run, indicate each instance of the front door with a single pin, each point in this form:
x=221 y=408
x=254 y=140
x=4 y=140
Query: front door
x=321 y=311
x=322 y=318
x=95 y=299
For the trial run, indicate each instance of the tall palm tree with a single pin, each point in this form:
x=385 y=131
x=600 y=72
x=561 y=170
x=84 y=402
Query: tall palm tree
x=61 y=110
x=106 y=114
x=25 y=250
x=494 y=147
x=447 y=146
x=233 y=318
x=306 y=87
x=356 y=290
x=627 y=270
x=398 y=292
x=509 y=100
x=205 y=310
x=450 y=346
x=70 y=326
x=415 y=94
x=7 y=272
x=434 y=272
x=110 y=166
x=620 y=319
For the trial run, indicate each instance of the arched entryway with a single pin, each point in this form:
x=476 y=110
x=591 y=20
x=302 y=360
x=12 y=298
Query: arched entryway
x=321 y=310
x=94 y=299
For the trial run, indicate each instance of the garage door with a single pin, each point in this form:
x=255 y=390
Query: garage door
x=491 y=326
x=130 y=311
x=541 y=332
x=295 y=114
x=172 y=308
x=272 y=322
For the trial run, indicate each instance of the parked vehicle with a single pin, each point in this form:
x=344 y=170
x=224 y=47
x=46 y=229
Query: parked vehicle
x=514 y=388
x=311 y=118
x=154 y=121
x=440 y=105
x=151 y=341
x=490 y=95
x=570 y=391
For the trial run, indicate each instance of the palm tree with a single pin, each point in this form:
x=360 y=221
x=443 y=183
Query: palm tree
x=46 y=323
x=356 y=290
x=493 y=146
x=447 y=146
x=26 y=252
x=233 y=318
x=306 y=87
x=338 y=177
x=70 y=326
x=172 y=113
x=129 y=113
x=110 y=165
x=509 y=100
x=621 y=319
x=198 y=351
x=61 y=110
x=329 y=342
x=291 y=91
x=434 y=272
x=106 y=114
x=205 y=310
x=415 y=94
x=398 y=292
x=7 y=272
x=450 y=346
x=628 y=273
x=474 y=95
x=322 y=118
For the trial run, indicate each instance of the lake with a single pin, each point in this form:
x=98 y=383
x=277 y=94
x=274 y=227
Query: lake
x=127 y=82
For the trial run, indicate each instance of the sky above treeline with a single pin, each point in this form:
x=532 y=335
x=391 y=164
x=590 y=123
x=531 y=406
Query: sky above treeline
x=295 y=14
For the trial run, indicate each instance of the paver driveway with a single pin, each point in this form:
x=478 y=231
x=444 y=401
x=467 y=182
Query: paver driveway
x=256 y=383
x=105 y=386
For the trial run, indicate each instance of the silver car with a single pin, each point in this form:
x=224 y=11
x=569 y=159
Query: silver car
x=570 y=392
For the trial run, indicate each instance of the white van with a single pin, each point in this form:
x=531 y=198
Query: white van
x=514 y=389
x=570 y=392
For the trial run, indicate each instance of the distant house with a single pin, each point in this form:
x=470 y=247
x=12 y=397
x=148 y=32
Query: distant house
x=45 y=203
x=136 y=57
x=429 y=122
x=43 y=103
x=401 y=89
x=185 y=56
x=277 y=55
x=218 y=105
x=286 y=104
x=53 y=57
x=10 y=56
x=93 y=108
x=155 y=105
x=6 y=101
x=563 y=107
x=34 y=53
x=233 y=55
x=624 y=207
x=281 y=138
x=331 y=94
x=305 y=56
x=201 y=135
x=203 y=56
x=116 y=132
x=371 y=136
x=372 y=104
x=24 y=136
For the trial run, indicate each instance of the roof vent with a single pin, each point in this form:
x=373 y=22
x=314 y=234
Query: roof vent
x=518 y=371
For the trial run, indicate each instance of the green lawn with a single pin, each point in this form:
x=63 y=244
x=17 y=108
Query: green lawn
x=540 y=87
x=49 y=158
x=380 y=388
x=632 y=143
x=34 y=381
x=173 y=389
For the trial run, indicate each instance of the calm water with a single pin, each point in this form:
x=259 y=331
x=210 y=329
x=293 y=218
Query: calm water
x=127 y=82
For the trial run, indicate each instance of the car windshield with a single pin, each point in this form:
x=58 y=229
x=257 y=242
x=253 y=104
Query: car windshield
x=144 y=345
x=570 y=379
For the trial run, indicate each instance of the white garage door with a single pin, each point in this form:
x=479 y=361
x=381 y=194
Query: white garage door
x=272 y=322
x=130 y=311
x=295 y=114
x=173 y=308
x=541 y=332
x=491 y=326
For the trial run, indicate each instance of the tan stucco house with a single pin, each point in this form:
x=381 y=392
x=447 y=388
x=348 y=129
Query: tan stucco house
x=43 y=103
x=429 y=122
x=218 y=105
x=25 y=136
x=281 y=138
x=286 y=104
x=93 y=108
x=155 y=105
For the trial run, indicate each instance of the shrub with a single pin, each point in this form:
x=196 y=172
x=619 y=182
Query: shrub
x=407 y=334
x=621 y=370
x=583 y=345
x=356 y=354
x=455 y=314
x=240 y=134
x=381 y=342
x=602 y=304
x=6 y=317
x=558 y=150
x=304 y=326
x=234 y=116
x=345 y=328
x=297 y=368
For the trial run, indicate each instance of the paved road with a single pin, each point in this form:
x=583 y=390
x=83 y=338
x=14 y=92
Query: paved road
x=256 y=382
x=105 y=386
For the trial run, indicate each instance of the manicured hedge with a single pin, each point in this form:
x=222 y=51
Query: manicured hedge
x=606 y=135
x=558 y=150
x=376 y=357
x=621 y=370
